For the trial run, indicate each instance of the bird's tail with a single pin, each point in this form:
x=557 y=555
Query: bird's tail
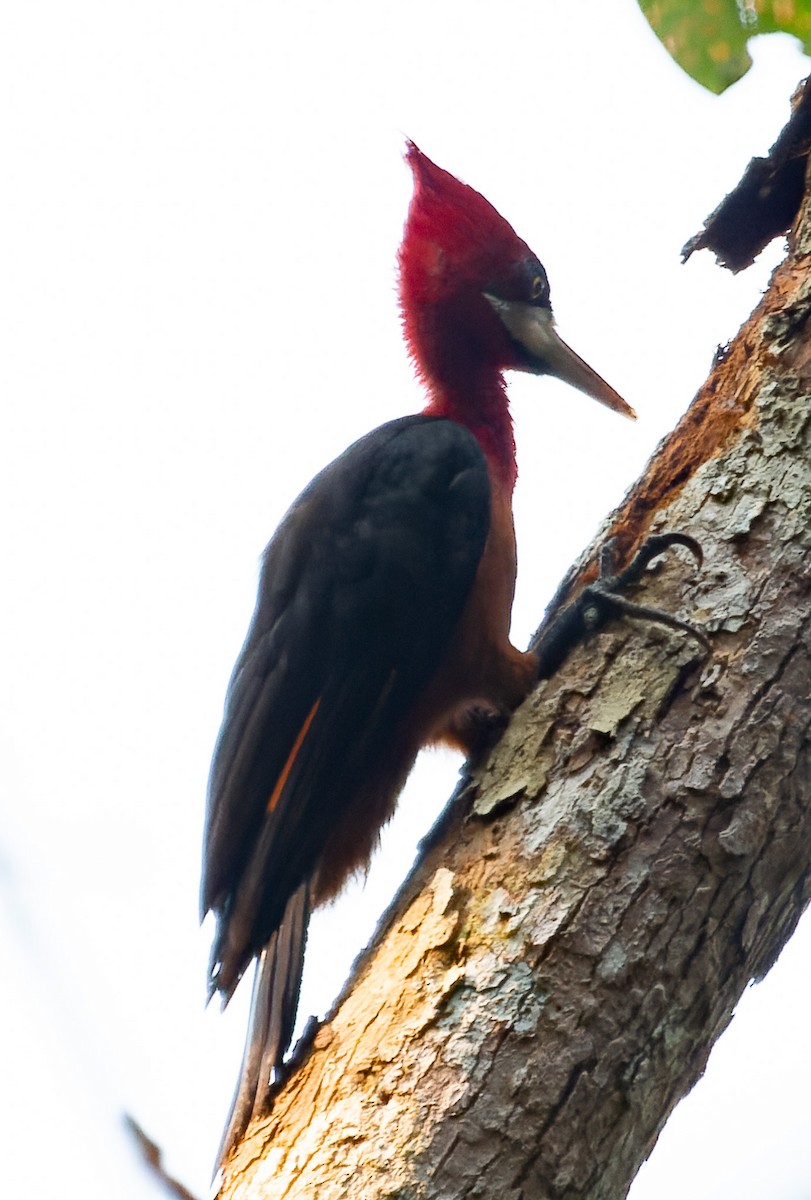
x=276 y=984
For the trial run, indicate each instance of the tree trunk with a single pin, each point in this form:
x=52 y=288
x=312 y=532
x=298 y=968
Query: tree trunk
x=636 y=849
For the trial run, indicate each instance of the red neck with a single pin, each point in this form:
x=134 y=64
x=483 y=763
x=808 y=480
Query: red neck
x=481 y=406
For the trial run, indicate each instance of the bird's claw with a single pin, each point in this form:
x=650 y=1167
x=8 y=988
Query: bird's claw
x=602 y=601
x=652 y=547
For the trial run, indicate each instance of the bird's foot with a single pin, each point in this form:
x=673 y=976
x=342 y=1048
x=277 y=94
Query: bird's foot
x=603 y=601
x=476 y=730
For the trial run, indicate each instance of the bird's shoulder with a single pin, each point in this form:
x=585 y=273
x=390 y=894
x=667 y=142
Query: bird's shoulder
x=410 y=492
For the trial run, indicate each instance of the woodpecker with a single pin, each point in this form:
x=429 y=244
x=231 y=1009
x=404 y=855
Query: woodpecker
x=383 y=613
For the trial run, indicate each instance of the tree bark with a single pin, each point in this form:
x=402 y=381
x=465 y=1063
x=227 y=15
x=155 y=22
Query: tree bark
x=636 y=849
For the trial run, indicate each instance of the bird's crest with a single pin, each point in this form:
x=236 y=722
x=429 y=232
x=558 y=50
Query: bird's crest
x=452 y=234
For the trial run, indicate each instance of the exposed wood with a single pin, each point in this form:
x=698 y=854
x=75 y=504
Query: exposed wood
x=636 y=849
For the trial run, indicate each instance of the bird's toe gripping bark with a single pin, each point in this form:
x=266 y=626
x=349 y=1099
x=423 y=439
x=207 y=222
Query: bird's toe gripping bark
x=603 y=601
x=476 y=730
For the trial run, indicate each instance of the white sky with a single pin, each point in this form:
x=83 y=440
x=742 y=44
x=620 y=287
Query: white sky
x=201 y=208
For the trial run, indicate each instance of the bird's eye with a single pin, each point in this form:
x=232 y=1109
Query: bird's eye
x=539 y=286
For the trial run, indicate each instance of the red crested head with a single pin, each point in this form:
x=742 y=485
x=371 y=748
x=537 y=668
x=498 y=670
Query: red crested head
x=453 y=237
x=455 y=247
x=475 y=303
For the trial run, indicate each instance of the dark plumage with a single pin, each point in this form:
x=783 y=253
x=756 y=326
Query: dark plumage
x=383 y=612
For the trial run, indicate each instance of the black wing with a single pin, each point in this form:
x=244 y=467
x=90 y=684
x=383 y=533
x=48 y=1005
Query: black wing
x=361 y=588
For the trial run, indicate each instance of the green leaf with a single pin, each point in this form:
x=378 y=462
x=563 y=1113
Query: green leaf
x=707 y=38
